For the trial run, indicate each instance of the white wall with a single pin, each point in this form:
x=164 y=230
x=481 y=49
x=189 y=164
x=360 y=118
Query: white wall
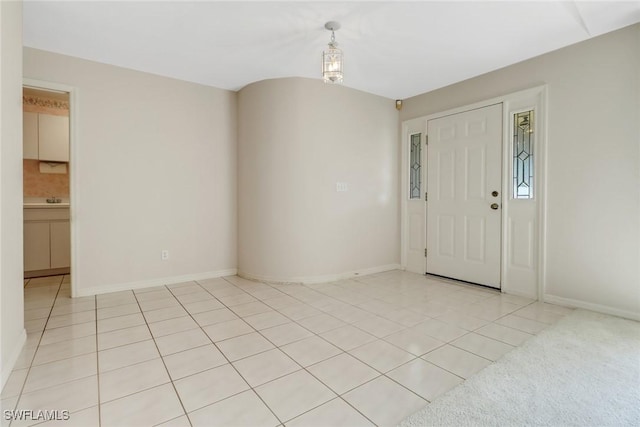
x=12 y=334
x=155 y=168
x=297 y=138
x=593 y=205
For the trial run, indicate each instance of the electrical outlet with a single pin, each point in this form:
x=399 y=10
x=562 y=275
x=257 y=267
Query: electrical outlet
x=165 y=254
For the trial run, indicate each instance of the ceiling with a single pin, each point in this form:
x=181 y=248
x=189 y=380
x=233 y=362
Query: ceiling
x=394 y=49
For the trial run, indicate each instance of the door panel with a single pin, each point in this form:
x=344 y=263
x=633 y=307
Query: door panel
x=464 y=167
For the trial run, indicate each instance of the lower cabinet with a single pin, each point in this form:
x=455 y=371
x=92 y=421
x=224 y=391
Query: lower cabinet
x=47 y=240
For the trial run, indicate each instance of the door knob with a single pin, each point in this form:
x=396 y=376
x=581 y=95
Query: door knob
x=494 y=193
x=494 y=206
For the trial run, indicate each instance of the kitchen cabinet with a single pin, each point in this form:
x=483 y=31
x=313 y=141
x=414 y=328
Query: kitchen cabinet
x=45 y=137
x=30 y=136
x=47 y=240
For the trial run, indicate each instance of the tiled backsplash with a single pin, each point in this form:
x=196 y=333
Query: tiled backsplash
x=38 y=184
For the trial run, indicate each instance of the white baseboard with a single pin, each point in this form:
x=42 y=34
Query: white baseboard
x=154 y=282
x=568 y=302
x=7 y=365
x=320 y=279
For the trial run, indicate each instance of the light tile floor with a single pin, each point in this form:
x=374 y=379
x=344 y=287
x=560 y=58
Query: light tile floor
x=229 y=351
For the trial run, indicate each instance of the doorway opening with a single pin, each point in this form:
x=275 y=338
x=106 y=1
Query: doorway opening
x=47 y=165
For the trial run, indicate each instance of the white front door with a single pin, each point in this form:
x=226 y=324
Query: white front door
x=464 y=181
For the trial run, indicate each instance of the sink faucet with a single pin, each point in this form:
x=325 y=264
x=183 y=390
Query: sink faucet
x=53 y=200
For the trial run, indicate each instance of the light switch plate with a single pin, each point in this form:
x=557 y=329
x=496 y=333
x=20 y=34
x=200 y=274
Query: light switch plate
x=341 y=186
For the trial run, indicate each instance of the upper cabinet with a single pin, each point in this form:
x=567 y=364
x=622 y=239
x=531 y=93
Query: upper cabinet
x=45 y=137
x=30 y=136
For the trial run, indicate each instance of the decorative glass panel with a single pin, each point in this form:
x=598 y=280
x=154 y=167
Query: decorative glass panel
x=523 y=155
x=414 y=166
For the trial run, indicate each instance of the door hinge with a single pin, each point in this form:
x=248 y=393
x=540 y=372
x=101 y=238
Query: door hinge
x=426 y=198
x=425 y=252
x=426 y=139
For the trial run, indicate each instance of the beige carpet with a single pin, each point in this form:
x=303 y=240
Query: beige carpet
x=583 y=371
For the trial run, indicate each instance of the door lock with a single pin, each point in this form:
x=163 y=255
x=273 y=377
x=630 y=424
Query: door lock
x=494 y=193
x=494 y=206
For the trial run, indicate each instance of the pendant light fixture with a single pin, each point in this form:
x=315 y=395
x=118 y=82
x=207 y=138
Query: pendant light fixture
x=332 y=61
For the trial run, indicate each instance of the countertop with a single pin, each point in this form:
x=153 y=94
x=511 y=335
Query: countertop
x=41 y=202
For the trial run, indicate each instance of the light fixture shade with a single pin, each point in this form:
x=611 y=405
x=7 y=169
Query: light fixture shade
x=332 y=65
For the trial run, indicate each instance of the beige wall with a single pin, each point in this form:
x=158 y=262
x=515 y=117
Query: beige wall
x=155 y=168
x=297 y=138
x=593 y=206
x=12 y=332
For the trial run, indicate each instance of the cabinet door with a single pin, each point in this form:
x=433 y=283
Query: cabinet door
x=60 y=244
x=53 y=138
x=30 y=136
x=36 y=246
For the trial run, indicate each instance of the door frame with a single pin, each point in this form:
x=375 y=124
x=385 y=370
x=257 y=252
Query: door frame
x=535 y=97
x=73 y=171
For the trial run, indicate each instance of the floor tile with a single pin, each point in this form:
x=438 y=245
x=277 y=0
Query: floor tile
x=89 y=417
x=342 y=373
x=335 y=413
x=118 y=310
x=172 y=326
x=378 y=326
x=236 y=299
x=132 y=379
x=64 y=350
x=65 y=308
x=461 y=320
x=230 y=329
x=205 y=388
x=458 y=361
x=266 y=320
x=153 y=294
x=181 y=341
x=62 y=371
x=439 y=330
x=503 y=333
x=71 y=319
x=37 y=313
x=72 y=396
x=160 y=404
x=482 y=346
x=13 y=386
x=281 y=302
x=299 y=311
x=264 y=367
x=244 y=346
x=199 y=296
x=123 y=337
x=424 y=378
x=285 y=334
x=120 y=322
x=244 y=310
x=310 y=350
x=405 y=317
x=348 y=337
x=384 y=402
x=201 y=306
x=413 y=342
x=130 y=354
x=294 y=394
x=381 y=355
x=65 y=333
x=165 y=313
x=321 y=323
x=214 y=316
x=192 y=361
x=182 y=421
x=538 y=313
x=244 y=409
x=522 y=324
x=157 y=304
